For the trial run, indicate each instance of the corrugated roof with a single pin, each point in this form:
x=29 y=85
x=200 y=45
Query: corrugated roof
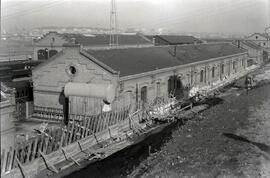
x=103 y=40
x=131 y=61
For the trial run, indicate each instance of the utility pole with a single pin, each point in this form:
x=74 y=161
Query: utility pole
x=113 y=25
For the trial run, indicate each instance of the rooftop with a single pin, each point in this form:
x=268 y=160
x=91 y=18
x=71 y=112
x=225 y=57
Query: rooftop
x=131 y=61
x=103 y=40
x=177 y=39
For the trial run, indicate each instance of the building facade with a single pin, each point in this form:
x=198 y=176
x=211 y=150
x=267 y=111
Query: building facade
x=139 y=74
x=52 y=42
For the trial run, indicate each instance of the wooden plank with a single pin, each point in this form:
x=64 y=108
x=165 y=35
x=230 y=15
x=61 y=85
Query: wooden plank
x=62 y=138
x=95 y=123
x=29 y=150
x=20 y=167
x=113 y=117
x=67 y=128
x=88 y=126
x=39 y=146
x=50 y=142
x=8 y=160
x=85 y=126
x=12 y=158
x=45 y=147
x=79 y=130
x=21 y=152
x=92 y=122
x=68 y=157
x=71 y=131
x=99 y=123
x=3 y=161
x=47 y=163
x=35 y=148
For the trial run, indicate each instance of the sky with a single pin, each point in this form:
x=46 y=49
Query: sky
x=225 y=16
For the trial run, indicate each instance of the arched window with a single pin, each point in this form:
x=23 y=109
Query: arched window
x=201 y=76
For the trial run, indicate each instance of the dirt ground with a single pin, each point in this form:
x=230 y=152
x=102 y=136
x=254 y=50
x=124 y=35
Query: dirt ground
x=200 y=149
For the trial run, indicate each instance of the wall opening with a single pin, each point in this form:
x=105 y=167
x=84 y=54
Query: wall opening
x=144 y=95
x=42 y=54
x=52 y=53
x=175 y=87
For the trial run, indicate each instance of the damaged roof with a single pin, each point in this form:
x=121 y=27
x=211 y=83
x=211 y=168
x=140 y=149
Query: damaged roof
x=131 y=61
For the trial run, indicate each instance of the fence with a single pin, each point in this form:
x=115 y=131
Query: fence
x=47 y=113
x=79 y=126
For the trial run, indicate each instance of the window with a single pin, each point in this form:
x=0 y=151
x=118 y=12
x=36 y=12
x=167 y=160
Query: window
x=222 y=68
x=213 y=72
x=144 y=94
x=72 y=70
x=158 y=89
x=263 y=44
x=234 y=65
x=201 y=76
x=256 y=37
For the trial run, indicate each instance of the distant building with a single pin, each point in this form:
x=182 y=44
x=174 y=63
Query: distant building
x=140 y=74
x=261 y=39
x=256 y=53
x=159 y=40
x=52 y=42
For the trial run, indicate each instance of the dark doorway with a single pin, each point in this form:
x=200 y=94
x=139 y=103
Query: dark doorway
x=52 y=53
x=42 y=54
x=175 y=87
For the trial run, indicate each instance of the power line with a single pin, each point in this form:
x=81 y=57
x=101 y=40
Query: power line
x=33 y=10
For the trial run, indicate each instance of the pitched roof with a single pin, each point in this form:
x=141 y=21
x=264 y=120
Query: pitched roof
x=131 y=61
x=265 y=35
x=178 y=39
x=251 y=44
x=103 y=40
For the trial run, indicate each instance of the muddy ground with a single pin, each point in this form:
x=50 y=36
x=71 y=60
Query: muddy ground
x=201 y=149
x=207 y=146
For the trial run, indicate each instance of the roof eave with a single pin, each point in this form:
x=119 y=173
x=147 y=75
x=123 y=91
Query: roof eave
x=98 y=62
x=129 y=77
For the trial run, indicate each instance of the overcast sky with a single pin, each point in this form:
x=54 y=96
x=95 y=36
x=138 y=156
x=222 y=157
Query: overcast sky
x=233 y=16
